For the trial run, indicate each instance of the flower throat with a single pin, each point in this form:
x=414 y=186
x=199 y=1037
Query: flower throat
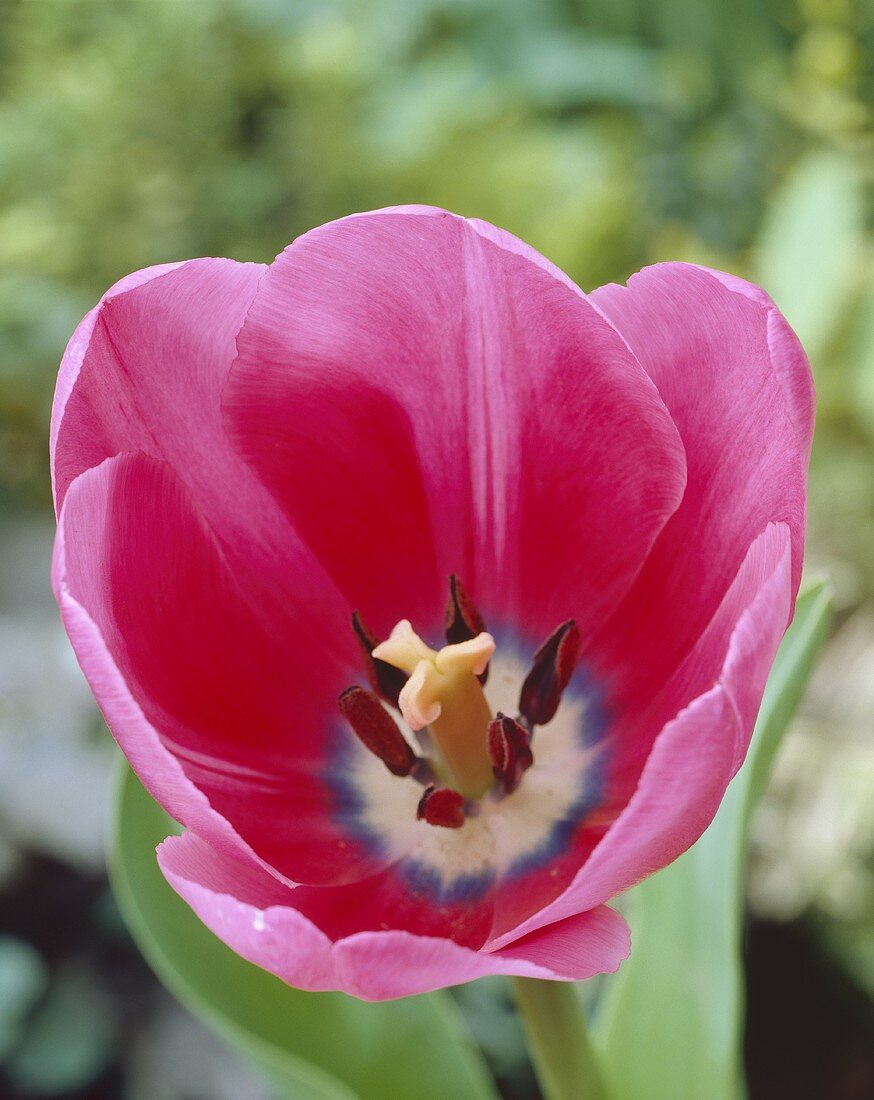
x=467 y=753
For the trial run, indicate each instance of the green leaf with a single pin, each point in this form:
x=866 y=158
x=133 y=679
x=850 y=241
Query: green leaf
x=671 y=1020
x=312 y=1045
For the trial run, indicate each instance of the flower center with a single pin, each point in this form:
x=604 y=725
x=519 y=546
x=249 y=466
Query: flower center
x=443 y=693
x=439 y=693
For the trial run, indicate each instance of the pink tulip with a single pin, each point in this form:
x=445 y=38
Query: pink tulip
x=595 y=504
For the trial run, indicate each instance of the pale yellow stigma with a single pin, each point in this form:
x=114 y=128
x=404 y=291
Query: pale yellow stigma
x=403 y=648
x=443 y=693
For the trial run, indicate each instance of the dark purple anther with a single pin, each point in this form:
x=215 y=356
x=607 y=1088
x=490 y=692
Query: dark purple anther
x=377 y=730
x=441 y=806
x=510 y=751
x=462 y=619
x=385 y=679
x=554 y=663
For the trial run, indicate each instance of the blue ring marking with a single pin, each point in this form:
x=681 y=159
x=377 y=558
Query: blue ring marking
x=423 y=878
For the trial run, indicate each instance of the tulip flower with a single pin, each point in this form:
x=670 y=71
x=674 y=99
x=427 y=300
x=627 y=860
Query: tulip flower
x=432 y=596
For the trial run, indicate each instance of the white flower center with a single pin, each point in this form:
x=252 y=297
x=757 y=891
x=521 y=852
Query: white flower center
x=509 y=832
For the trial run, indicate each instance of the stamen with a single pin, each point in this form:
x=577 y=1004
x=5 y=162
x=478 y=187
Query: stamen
x=554 y=663
x=510 y=750
x=442 y=693
x=385 y=679
x=462 y=619
x=377 y=730
x=441 y=806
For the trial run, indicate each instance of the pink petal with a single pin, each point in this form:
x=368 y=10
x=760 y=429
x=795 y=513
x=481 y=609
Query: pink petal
x=377 y=966
x=416 y=395
x=71 y=363
x=160 y=771
x=527 y=892
x=413 y=388
x=144 y=373
x=787 y=357
x=405 y=898
x=255 y=917
x=394 y=899
x=245 y=703
x=259 y=924
x=740 y=394
x=144 y=369
x=698 y=752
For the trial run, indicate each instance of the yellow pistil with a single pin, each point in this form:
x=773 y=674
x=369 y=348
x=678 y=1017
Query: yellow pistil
x=444 y=694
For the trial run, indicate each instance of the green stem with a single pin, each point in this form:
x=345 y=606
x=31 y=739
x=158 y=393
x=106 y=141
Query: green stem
x=558 y=1040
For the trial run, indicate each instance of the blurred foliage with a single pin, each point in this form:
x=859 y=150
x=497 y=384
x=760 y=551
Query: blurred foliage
x=608 y=133
x=22 y=982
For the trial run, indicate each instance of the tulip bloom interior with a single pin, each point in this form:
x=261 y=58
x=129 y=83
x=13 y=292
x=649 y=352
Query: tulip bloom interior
x=467 y=766
x=434 y=597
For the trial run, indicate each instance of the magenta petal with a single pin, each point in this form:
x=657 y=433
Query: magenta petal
x=394 y=899
x=787 y=358
x=144 y=373
x=242 y=455
x=249 y=911
x=144 y=369
x=418 y=388
x=739 y=391
x=252 y=729
x=577 y=948
x=698 y=752
x=160 y=771
x=255 y=916
x=77 y=347
x=379 y=965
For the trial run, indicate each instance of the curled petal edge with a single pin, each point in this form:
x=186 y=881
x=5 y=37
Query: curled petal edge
x=77 y=347
x=375 y=966
x=160 y=772
x=694 y=757
x=787 y=357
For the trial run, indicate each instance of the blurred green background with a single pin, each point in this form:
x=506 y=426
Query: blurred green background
x=607 y=133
